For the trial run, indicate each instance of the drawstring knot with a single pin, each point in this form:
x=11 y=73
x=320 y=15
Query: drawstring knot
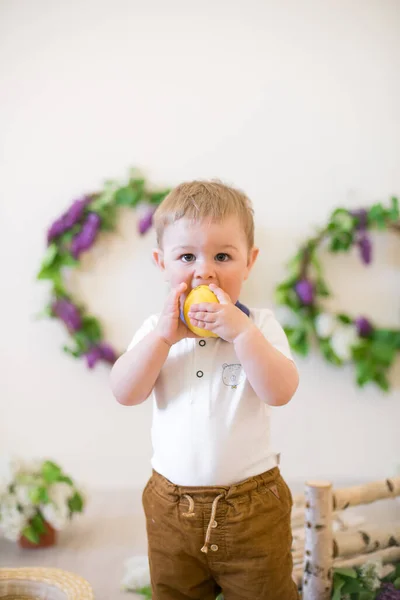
x=191 y=513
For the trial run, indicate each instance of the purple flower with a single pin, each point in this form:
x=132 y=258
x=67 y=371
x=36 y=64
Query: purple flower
x=73 y=215
x=389 y=592
x=101 y=351
x=84 y=239
x=93 y=356
x=364 y=327
x=305 y=291
x=365 y=247
x=361 y=214
x=68 y=313
x=107 y=353
x=146 y=221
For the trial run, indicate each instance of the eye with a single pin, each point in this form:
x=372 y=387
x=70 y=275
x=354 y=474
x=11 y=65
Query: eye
x=187 y=258
x=222 y=257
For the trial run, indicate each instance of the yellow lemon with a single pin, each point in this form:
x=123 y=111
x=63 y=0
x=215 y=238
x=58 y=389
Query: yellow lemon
x=199 y=294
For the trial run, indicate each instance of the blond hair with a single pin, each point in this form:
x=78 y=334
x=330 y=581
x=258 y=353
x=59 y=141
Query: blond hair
x=205 y=199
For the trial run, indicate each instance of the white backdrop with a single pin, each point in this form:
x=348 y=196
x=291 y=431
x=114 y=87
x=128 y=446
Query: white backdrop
x=296 y=102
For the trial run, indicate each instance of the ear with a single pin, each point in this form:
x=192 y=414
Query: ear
x=158 y=257
x=252 y=257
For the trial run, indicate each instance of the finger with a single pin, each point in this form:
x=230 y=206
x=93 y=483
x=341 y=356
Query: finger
x=203 y=316
x=221 y=295
x=209 y=307
x=202 y=324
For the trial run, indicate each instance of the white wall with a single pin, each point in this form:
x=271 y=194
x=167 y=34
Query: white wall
x=297 y=102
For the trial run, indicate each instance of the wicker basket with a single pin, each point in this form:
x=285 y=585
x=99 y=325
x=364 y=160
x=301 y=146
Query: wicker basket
x=43 y=584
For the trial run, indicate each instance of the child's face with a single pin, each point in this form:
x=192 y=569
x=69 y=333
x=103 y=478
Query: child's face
x=206 y=252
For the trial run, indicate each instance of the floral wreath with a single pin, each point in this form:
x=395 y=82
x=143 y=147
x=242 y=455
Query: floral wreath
x=74 y=233
x=340 y=337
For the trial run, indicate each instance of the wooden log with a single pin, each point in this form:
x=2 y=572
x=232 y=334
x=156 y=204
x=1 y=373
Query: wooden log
x=360 y=494
x=366 y=539
x=365 y=494
x=360 y=541
x=387 y=555
x=318 y=543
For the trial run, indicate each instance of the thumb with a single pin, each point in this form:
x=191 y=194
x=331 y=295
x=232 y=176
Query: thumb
x=221 y=295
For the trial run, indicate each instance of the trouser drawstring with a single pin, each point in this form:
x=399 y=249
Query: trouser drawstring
x=191 y=513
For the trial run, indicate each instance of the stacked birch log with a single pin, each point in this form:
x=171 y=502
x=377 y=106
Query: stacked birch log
x=318 y=548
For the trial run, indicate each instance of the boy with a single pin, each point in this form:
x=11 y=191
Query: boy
x=217 y=509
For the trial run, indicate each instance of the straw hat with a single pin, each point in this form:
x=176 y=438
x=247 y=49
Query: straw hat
x=43 y=584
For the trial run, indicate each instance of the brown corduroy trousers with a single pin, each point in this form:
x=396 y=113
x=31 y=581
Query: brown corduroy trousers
x=235 y=539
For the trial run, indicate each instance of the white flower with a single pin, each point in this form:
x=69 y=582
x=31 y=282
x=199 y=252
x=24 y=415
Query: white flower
x=12 y=520
x=343 y=339
x=55 y=514
x=60 y=493
x=137 y=573
x=325 y=325
x=22 y=493
x=286 y=316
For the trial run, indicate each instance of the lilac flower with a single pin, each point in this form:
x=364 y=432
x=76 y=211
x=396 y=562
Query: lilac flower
x=84 y=239
x=389 y=592
x=93 y=356
x=68 y=219
x=361 y=214
x=146 y=221
x=107 y=353
x=365 y=247
x=305 y=291
x=101 y=351
x=68 y=313
x=364 y=327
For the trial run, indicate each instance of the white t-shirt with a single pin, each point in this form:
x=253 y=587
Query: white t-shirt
x=209 y=426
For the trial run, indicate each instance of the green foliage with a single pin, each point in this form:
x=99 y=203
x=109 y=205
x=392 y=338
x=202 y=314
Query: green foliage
x=58 y=259
x=36 y=484
x=373 y=355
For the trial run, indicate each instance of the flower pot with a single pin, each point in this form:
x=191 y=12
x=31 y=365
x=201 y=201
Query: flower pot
x=47 y=539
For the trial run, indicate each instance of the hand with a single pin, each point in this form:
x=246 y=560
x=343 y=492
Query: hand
x=170 y=326
x=225 y=319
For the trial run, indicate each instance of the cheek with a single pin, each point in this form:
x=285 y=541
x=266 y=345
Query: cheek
x=179 y=272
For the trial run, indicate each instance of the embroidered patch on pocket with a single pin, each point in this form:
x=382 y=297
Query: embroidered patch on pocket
x=274 y=490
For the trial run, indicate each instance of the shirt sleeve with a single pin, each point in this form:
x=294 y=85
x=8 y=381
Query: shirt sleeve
x=273 y=331
x=148 y=325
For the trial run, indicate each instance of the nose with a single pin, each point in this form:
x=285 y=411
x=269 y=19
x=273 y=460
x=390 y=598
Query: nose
x=205 y=271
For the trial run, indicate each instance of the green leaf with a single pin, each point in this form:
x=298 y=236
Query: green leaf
x=364 y=372
x=65 y=479
x=75 y=503
x=383 y=352
x=327 y=351
x=126 y=196
x=338 y=583
x=346 y=571
x=92 y=329
x=39 y=495
x=321 y=288
x=376 y=216
x=344 y=318
x=30 y=534
x=366 y=595
x=51 y=472
x=342 y=220
x=157 y=197
x=396 y=583
x=72 y=351
x=82 y=342
x=341 y=242
x=145 y=591
x=50 y=256
x=382 y=381
x=394 y=213
x=37 y=523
